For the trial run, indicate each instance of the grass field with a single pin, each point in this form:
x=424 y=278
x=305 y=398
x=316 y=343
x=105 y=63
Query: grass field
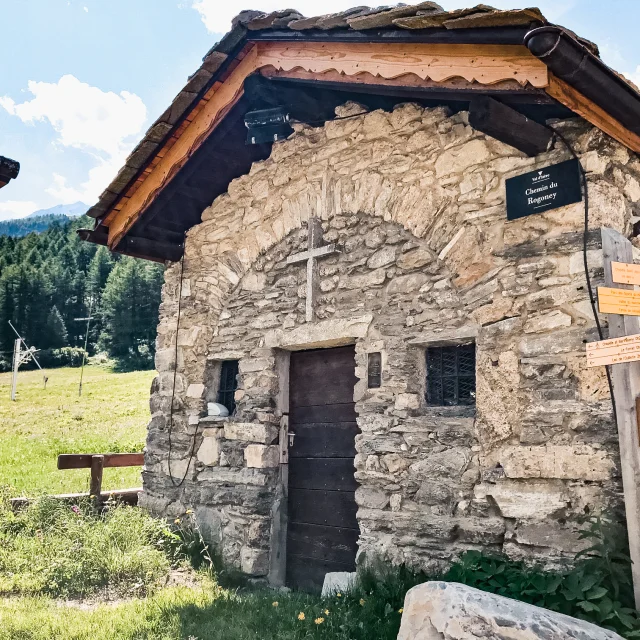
x=111 y=416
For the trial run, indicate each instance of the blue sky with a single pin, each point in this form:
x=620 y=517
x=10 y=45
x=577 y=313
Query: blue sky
x=83 y=79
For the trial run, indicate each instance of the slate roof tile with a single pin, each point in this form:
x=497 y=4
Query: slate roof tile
x=381 y=19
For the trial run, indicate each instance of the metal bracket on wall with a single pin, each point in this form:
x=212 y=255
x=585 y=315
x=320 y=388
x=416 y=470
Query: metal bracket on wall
x=284 y=439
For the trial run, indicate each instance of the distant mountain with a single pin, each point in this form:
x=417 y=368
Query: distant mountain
x=71 y=210
x=41 y=220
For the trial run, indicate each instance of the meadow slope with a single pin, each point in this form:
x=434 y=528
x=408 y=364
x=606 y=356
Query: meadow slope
x=111 y=416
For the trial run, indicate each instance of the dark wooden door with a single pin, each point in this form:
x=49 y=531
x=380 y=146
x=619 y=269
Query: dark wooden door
x=322 y=532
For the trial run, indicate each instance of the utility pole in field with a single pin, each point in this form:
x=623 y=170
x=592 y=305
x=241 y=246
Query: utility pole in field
x=86 y=342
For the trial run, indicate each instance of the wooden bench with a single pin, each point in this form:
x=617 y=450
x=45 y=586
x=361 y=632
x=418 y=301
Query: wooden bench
x=97 y=463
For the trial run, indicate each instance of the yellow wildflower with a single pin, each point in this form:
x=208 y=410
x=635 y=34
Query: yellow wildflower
x=301 y=616
x=326 y=612
x=275 y=604
x=177 y=521
x=319 y=620
x=189 y=512
x=339 y=595
x=362 y=601
x=400 y=610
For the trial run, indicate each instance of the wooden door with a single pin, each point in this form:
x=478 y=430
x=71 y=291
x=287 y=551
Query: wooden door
x=322 y=531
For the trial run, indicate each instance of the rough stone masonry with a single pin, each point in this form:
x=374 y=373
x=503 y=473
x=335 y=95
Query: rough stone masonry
x=415 y=202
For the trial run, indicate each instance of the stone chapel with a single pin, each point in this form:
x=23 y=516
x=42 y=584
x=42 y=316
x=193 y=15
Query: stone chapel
x=402 y=361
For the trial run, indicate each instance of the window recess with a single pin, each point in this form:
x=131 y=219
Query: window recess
x=451 y=375
x=228 y=384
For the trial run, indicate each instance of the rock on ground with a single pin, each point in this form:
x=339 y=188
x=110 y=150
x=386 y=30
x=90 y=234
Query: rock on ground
x=450 y=611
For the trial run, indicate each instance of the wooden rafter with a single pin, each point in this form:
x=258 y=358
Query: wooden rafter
x=591 y=112
x=485 y=64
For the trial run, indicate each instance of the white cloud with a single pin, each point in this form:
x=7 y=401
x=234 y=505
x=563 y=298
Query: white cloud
x=101 y=123
x=16 y=209
x=217 y=15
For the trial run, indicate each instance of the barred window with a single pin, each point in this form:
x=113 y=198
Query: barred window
x=451 y=375
x=228 y=384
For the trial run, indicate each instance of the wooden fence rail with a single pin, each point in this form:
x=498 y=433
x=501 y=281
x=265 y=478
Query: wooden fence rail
x=97 y=463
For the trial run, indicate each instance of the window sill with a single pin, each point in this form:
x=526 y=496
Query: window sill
x=460 y=411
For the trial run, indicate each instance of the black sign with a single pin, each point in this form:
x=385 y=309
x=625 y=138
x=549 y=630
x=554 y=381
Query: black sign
x=544 y=189
x=375 y=371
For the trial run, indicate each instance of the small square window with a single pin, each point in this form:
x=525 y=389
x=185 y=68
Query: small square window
x=228 y=384
x=451 y=375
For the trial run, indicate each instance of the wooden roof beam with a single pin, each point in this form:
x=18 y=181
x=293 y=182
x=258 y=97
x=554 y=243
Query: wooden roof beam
x=591 y=112
x=486 y=64
x=509 y=126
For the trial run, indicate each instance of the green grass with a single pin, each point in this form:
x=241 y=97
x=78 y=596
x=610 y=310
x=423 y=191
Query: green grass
x=111 y=416
x=68 y=572
x=208 y=612
x=52 y=550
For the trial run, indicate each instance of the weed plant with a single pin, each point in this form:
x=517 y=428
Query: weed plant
x=64 y=550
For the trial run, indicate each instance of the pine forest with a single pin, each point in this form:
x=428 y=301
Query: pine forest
x=51 y=282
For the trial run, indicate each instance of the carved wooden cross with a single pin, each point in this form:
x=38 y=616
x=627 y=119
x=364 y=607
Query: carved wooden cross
x=315 y=250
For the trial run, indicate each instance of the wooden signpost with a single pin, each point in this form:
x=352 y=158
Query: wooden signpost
x=622 y=304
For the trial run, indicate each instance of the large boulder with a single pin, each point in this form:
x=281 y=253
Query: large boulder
x=451 y=611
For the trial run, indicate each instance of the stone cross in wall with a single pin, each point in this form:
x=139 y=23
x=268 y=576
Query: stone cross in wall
x=315 y=250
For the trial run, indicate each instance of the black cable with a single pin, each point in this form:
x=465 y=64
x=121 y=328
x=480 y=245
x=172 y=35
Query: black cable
x=173 y=390
x=592 y=299
x=322 y=122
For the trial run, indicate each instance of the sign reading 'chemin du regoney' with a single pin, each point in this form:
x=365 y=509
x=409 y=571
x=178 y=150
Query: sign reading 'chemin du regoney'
x=543 y=189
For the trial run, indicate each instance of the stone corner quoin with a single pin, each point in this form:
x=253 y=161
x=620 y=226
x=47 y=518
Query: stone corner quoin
x=414 y=202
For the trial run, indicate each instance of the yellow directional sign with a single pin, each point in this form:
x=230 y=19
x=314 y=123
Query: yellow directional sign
x=625 y=273
x=622 y=301
x=613 y=351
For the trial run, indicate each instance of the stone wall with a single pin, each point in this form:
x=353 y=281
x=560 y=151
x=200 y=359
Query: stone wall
x=414 y=200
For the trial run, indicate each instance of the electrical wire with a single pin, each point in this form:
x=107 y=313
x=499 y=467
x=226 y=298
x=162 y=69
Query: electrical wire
x=585 y=239
x=173 y=390
x=322 y=122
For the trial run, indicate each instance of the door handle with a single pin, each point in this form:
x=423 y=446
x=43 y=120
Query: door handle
x=291 y=438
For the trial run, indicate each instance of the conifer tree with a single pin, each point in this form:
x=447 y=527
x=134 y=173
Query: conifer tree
x=56 y=331
x=49 y=279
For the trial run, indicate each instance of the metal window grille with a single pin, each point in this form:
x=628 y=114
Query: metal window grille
x=451 y=375
x=228 y=384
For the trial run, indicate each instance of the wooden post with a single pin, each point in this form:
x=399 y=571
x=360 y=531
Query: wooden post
x=16 y=365
x=626 y=389
x=95 y=487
